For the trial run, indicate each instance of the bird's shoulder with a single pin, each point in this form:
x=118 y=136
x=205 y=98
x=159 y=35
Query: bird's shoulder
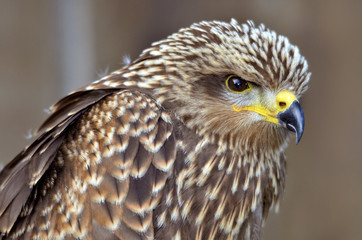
x=114 y=148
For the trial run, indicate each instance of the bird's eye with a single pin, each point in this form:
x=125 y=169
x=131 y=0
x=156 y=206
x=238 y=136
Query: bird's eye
x=236 y=84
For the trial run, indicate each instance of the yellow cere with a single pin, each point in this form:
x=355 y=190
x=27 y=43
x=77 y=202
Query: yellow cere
x=283 y=100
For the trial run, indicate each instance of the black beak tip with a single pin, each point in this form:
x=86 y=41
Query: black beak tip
x=298 y=134
x=293 y=119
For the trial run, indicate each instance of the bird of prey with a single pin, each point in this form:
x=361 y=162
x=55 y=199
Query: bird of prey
x=185 y=142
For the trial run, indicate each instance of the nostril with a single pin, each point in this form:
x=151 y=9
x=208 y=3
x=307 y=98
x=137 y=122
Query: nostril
x=282 y=104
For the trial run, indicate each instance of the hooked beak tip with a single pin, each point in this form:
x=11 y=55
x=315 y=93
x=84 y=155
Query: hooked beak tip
x=293 y=119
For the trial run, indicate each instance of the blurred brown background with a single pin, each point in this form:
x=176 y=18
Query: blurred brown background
x=49 y=48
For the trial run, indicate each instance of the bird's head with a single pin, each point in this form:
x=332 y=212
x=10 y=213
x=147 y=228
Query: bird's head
x=237 y=82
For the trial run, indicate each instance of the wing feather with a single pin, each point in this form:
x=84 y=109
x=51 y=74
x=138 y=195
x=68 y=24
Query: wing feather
x=24 y=171
x=71 y=105
x=107 y=172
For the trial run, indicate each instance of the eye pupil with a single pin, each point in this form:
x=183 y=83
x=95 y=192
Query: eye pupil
x=236 y=84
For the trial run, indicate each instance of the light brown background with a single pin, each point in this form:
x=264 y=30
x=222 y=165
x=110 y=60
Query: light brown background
x=49 y=48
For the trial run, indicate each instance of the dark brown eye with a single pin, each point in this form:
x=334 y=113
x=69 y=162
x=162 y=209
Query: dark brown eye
x=236 y=84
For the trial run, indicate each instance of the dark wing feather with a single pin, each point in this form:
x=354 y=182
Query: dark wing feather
x=110 y=171
x=25 y=170
x=71 y=105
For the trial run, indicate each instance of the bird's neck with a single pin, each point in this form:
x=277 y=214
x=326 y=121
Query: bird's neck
x=232 y=192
